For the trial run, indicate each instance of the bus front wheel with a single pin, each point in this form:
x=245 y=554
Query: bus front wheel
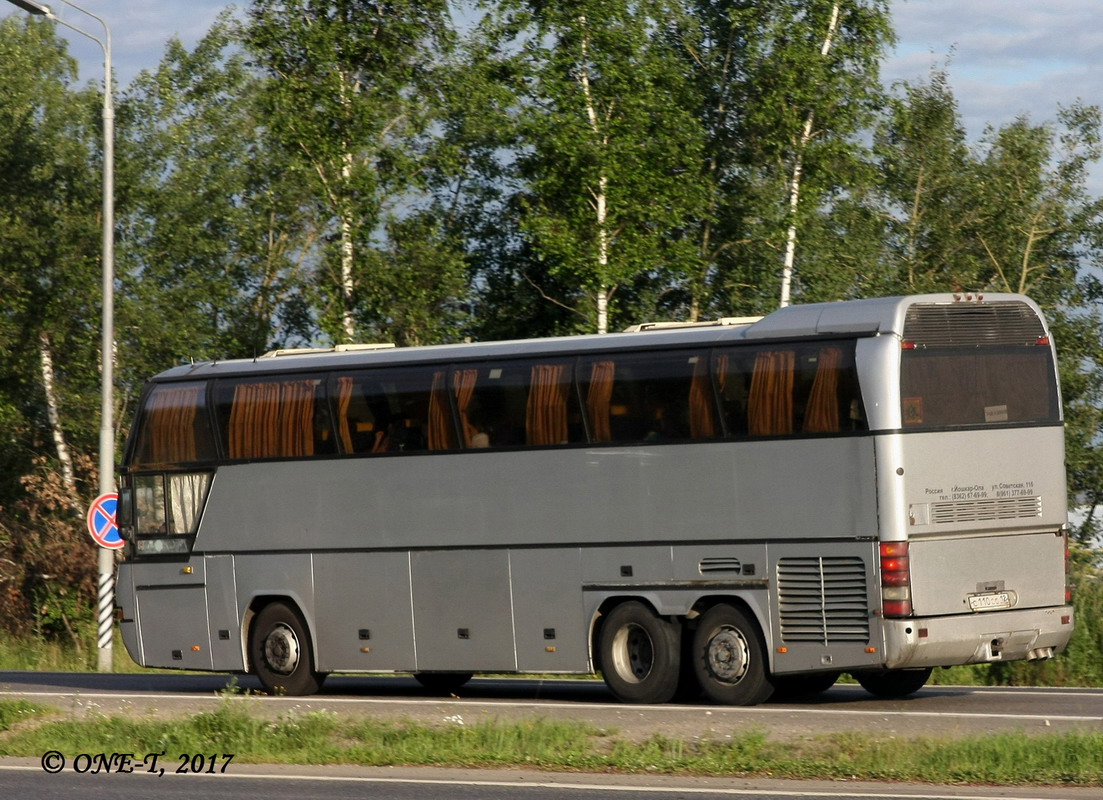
x=893 y=683
x=640 y=654
x=729 y=657
x=280 y=652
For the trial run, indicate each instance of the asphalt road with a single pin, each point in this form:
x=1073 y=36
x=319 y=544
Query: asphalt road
x=942 y=711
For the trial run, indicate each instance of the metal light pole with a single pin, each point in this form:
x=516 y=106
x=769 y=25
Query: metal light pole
x=106 y=594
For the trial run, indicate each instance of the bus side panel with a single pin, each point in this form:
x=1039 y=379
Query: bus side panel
x=463 y=618
x=171 y=611
x=289 y=577
x=365 y=620
x=665 y=493
x=224 y=619
x=825 y=598
x=547 y=610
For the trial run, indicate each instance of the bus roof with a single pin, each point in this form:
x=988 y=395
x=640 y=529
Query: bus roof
x=843 y=318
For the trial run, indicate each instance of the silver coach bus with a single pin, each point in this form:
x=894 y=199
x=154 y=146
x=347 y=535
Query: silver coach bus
x=740 y=509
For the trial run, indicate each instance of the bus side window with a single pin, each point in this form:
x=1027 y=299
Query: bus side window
x=274 y=418
x=386 y=410
x=516 y=404
x=656 y=397
x=789 y=390
x=175 y=428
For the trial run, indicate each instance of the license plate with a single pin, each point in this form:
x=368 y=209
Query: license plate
x=989 y=602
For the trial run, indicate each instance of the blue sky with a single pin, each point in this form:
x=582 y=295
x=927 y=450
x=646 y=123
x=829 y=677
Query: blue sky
x=1004 y=57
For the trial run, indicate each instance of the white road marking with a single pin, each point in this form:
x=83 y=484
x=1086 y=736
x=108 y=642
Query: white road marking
x=672 y=789
x=462 y=702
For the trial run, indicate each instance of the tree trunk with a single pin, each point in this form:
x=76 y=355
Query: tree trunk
x=798 y=171
x=348 y=324
x=53 y=415
x=600 y=197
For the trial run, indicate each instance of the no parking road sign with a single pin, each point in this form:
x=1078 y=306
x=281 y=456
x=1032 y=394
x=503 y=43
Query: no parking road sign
x=101 y=521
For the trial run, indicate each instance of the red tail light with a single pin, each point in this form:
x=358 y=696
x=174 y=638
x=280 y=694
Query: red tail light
x=896 y=593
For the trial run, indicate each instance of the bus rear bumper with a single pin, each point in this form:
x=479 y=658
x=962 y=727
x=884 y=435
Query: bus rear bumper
x=1030 y=634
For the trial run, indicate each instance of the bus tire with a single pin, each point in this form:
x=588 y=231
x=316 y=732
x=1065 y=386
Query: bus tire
x=729 y=658
x=791 y=687
x=640 y=654
x=442 y=682
x=891 y=684
x=280 y=652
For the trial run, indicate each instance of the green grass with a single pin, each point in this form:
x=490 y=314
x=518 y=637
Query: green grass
x=12 y=712
x=36 y=654
x=326 y=738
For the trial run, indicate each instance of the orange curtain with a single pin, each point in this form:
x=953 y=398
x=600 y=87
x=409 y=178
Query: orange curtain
x=442 y=436
x=272 y=419
x=546 y=410
x=770 y=404
x=702 y=415
x=463 y=382
x=598 y=399
x=822 y=414
x=344 y=400
x=297 y=418
x=171 y=424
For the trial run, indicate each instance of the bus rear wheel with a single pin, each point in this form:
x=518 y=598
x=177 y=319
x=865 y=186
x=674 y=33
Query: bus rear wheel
x=280 y=652
x=640 y=654
x=729 y=657
x=893 y=683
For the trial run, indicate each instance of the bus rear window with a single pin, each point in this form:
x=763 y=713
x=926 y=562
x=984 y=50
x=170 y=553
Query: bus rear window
x=949 y=387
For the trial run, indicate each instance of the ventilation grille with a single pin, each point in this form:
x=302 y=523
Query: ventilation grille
x=719 y=564
x=980 y=510
x=823 y=600
x=960 y=325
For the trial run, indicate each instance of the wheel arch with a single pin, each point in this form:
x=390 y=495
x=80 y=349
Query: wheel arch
x=261 y=599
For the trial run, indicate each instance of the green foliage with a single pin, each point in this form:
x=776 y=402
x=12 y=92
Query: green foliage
x=349 y=93
x=326 y=738
x=49 y=240
x=320 y=171
x=211 y=215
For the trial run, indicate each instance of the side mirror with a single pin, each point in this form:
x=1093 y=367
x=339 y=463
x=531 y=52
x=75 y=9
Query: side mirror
x=124 y=511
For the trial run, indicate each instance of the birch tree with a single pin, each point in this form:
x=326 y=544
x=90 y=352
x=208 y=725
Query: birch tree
x=606 y=152
x=785 y=89
x=214 y=232
x=49 y=246
x=349 y=90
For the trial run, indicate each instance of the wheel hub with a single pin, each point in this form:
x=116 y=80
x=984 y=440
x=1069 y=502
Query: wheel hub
x=727 y=655
x=633 y=653
x=281 y=650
